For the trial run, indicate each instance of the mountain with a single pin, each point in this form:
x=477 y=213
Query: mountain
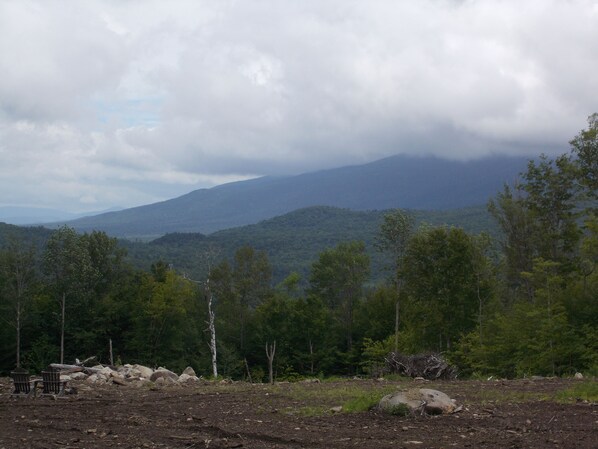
x=424 y=183
x=19 y=215
x=293 y=241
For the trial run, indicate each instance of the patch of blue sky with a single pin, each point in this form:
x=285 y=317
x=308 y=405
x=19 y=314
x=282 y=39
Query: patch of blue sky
x=132 y=112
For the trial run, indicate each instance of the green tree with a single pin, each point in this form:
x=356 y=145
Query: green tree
x=337 y=277
x=165 y=320
x=443 y=287
x=395 y=231
x=252 y=277
x=584 y=148
x=68 y=265
x=17 y=270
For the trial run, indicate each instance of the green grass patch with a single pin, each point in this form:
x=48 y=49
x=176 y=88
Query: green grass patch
x=363 y=402
x=318 y=399
x=586 y=391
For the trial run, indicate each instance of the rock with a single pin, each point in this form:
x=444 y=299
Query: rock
x=79 y=376
x=143 y=371
x=106 y=371
x=430 y=401
x=96 y=378
x=118 y=380
x=578 y=376
x=337 y=409
x=437 y=402
x=165 y=380
x=161 y=373
x=189 y=371
x=186 y=378
x=66 y=377
x=140 y=382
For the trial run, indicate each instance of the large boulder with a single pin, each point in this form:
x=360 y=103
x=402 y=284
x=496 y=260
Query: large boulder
x=143 y=371
x=79 y=376
x=163 y=373
x=189 y=371
x=186 y=378
x=425 y=400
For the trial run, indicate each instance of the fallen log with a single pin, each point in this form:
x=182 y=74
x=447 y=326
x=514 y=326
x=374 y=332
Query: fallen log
x=74 y=368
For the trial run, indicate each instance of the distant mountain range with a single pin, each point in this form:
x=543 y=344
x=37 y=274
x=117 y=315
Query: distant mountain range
x=20 y=215
x=424 y=183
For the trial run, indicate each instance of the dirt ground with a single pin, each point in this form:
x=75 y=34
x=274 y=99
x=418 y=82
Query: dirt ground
x=495 y=414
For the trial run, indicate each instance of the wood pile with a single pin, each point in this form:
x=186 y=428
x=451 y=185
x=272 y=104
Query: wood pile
x=429 y=366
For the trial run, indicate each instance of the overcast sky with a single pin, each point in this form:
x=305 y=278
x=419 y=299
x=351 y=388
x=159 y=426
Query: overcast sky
x=121 y=103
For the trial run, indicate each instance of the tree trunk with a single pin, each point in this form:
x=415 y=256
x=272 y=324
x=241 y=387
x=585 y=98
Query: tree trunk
x=63 y=306
x=397 y=325
x=270 y=352
x=18 y=337
x=212 y=328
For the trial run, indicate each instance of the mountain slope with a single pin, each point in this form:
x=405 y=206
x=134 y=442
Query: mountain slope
x=293 y=241
x=398 y=181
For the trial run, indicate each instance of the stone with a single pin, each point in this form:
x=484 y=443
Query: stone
x=186 y=378
x=430 y=401
x=163 y=381
x=578 y=376
x=190 y=371
x=143 y=371
x=79 y=376
x=163 y=373
x=106 y=371
x=96 y=378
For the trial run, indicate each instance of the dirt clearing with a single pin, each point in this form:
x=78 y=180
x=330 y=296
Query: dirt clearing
x=495 y=414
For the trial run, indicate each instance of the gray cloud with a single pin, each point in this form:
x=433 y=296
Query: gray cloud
x=111 y=103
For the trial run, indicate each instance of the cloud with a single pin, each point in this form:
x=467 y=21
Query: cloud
x=118 y=103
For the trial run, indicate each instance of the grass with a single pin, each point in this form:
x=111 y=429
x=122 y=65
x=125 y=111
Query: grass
x=586 y=391
x=354 y=397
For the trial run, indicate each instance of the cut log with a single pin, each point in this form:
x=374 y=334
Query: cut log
x=74 y=368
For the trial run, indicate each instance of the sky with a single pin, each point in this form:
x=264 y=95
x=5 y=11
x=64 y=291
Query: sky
x=119 y=103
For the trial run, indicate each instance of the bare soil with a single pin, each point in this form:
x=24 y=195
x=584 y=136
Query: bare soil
x=495 y=414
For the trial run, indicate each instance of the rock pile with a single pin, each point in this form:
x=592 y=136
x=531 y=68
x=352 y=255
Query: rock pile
x=133 y=375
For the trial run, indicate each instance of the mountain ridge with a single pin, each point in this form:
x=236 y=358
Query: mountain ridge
x=424 y=183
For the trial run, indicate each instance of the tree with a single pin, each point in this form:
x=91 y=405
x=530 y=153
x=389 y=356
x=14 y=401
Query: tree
x=68 y=265
x=395 y=232
x=442 y=287
x=164 y=320
x=584 y=148
x=517 y=242
x=551 y=199
x=252 y=277
x=337 y=277
x=17 y=266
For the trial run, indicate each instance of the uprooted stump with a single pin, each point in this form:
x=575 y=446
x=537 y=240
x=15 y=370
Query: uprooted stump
x=429 y=366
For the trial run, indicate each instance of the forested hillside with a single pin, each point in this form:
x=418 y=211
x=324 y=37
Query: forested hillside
x=293 y=241
x=423 y=183
x=523 y=303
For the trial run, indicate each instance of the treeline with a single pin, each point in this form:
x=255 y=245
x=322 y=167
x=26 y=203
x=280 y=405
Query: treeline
x=526 y=304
